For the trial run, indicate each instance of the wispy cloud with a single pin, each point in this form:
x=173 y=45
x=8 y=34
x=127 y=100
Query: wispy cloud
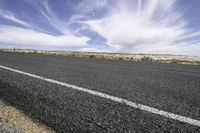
x=60 y=25
x=10 y=16
x=88 y=6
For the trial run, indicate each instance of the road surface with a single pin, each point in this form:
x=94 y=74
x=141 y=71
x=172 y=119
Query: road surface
x=116 y=92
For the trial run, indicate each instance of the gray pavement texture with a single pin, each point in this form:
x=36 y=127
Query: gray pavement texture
x=170 y=87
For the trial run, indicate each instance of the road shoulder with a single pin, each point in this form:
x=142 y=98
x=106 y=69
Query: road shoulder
x=13 y=120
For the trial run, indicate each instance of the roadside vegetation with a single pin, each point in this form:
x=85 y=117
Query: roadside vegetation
x=173 y=59
x=146 y=58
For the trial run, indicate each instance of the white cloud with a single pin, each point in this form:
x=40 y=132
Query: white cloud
x=153 y=26
x=9 y=15
x=15 y=35
x=136 y=26
x=94 y=49
x=91 y=50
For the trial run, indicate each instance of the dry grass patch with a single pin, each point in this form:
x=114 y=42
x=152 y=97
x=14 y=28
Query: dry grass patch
x=174 y=59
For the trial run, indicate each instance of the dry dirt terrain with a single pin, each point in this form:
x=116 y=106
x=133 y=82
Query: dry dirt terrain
x=15 y=121
x=174 y=59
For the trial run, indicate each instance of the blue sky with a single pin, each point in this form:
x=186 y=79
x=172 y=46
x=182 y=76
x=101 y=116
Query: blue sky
x=133 y=26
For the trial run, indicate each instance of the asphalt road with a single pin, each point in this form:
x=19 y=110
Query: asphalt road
x=170 y=87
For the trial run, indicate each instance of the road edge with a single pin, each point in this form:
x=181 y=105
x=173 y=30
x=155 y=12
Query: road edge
x=18 y=120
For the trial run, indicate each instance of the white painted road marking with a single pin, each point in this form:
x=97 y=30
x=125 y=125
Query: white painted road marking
x=113 y=98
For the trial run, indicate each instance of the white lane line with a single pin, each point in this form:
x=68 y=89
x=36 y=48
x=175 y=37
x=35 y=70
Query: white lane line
x=177 y=117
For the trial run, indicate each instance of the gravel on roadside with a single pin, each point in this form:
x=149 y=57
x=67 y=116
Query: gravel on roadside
x=15 y=121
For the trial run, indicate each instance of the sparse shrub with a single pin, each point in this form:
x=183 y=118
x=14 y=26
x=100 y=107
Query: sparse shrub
x=120 y=58
x=91 y=56
x=127 y=58
x=72 y=55
x=174 y=61
x=146 y=58
x=34 y=52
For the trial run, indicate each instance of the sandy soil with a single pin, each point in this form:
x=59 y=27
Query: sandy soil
x=15 y=121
